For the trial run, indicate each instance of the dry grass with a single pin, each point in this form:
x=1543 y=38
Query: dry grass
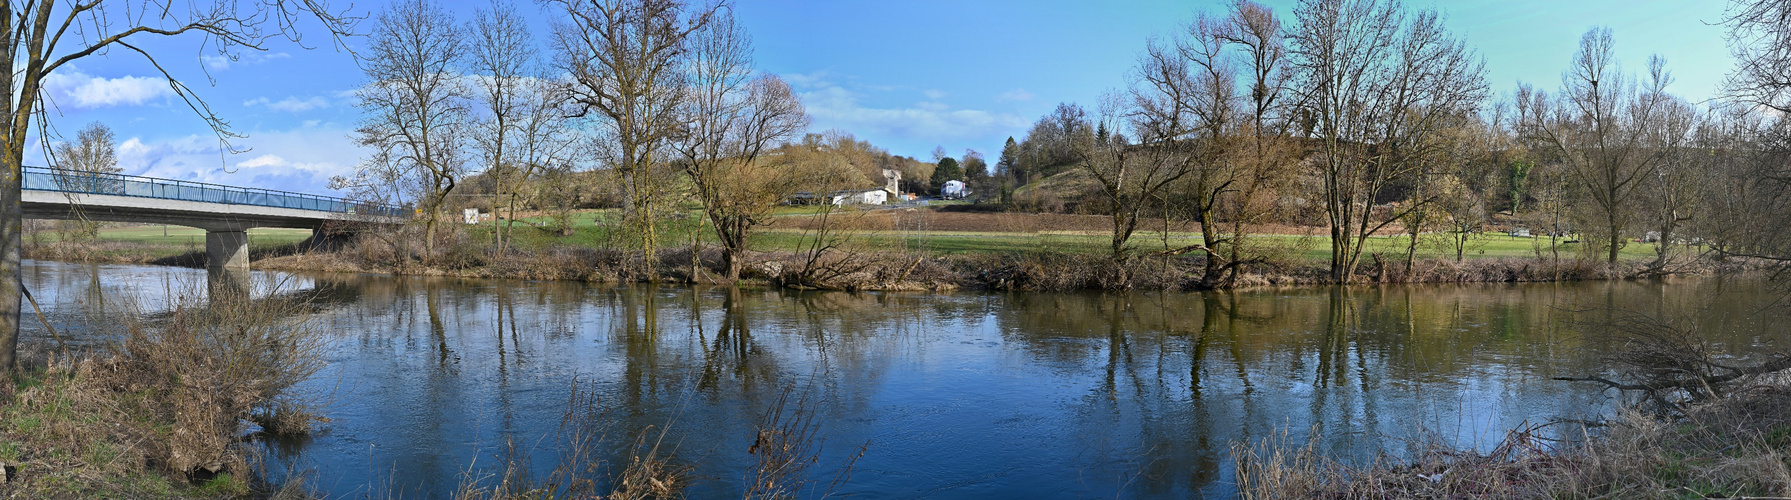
x=165 y=408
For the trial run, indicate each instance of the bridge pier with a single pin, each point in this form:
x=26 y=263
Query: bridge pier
x=228 y=282
x=227 y=250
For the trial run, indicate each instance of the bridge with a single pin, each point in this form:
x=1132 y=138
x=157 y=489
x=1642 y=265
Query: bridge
x=224 y=212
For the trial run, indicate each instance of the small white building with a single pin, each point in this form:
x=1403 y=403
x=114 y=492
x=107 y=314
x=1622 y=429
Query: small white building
x=953 y=190
x=866 y=197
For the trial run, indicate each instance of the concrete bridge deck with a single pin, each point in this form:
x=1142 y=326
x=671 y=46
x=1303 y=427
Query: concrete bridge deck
x=224 y=212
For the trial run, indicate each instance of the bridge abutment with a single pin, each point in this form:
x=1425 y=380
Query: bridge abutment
x=227 y=250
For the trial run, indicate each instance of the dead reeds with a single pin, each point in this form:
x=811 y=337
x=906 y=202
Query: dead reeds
x=168 y=404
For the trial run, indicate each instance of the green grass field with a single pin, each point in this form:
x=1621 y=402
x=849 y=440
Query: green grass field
x=603 y=228
x=182 y=236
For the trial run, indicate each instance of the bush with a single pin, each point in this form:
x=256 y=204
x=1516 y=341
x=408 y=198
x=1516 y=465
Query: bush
x=214 y=364
x=167 y=405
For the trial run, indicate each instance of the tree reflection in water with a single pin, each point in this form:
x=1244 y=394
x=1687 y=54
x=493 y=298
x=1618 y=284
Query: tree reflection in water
x=960 y=395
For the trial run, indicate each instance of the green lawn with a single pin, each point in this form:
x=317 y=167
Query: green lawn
x=603 y=228
x=191 y=237
x=677 y=232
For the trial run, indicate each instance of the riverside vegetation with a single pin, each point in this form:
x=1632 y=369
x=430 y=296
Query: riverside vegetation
x=880 y=250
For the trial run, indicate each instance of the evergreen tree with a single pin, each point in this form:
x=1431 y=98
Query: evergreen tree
x=1010 y=157
x=947 y=170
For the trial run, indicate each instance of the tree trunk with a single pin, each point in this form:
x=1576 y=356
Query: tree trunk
x=1339 y=254
x=1210 y=239
x=732 y=259
x=11 y=271
x=1616 y=236
x=429 y=238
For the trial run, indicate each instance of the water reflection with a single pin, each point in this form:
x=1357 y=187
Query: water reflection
x=959 y=395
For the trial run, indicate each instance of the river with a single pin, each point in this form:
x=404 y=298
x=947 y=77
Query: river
x=950 y=395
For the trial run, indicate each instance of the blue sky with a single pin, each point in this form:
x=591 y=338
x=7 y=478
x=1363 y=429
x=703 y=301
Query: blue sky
x=905 y=75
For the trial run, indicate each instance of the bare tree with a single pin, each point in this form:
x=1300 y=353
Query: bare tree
x=94 y=151
x=1185 y=112
x=1758 y=200
x=502 y=59
x=1546 y=179
x=1267 y=162
x=43 y=37
x=1760 y=39
x=627 y=62
x=520 y=131
x=1735 y=201
x=1378 y=87
x=1606 y=134
x=1671 y=191
x=1130 y=175
x=415 y=107
x=1482 y=147
x=733 y=118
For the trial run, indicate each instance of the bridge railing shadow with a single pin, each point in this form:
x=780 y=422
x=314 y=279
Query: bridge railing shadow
x=72 y=181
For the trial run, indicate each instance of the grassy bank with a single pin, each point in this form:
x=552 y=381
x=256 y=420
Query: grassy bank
x=170 y=409
x=886 y=249
x=160 y=245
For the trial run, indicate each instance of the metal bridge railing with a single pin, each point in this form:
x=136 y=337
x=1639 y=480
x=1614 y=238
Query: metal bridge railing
x=72 y=181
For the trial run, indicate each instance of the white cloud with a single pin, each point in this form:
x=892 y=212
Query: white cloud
x=1014 y=95
x=221 y=62
x=832 y=105
x=71 y=87
x=290 y=104
x=262 y=161
x=301 y=160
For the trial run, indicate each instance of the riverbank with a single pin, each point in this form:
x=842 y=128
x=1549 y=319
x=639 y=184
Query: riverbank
x=897 y=250
x=855 y=269
x=170 y=407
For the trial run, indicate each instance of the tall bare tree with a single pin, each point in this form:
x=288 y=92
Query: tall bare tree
x=1608 y=134
x=1760 y=196
x=1378 y=87
x=1130 y=175
x=519 y=131
x=1670 y=193
x=1266 y=163
x=1185 y=112
x=627 y=61
x=94 y=151
x=732 y=119
x=502 y=59
x=1734 y=148
x=415 y=106
x=42 y=37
